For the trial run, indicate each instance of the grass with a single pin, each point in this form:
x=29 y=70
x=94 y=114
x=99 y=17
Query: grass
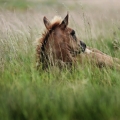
x=14 y=4
x=86 y=92
x=24 y=5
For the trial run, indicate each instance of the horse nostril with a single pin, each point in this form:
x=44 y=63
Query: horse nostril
x=82 y=44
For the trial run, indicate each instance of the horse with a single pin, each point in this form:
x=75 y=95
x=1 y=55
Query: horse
x=58 y=44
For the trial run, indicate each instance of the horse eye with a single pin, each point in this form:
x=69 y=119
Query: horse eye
x=72 y=33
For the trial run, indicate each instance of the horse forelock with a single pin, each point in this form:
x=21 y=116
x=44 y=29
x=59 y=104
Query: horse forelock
x=56 y=21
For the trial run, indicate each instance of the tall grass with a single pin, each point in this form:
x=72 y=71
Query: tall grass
x=86 y=92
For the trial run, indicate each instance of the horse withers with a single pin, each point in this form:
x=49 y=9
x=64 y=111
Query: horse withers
x=58 y=44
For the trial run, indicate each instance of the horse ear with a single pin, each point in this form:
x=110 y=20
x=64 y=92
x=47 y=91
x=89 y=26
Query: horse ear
x=46 y=22
x=64 y=22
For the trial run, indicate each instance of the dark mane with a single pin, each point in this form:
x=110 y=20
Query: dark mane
x=44 y=38
x=46 y=34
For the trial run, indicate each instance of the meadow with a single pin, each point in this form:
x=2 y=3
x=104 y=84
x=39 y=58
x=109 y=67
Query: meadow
x=86 y=92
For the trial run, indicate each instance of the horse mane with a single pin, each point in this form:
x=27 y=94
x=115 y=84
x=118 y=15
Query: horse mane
x=44 y=37
x=54 y=22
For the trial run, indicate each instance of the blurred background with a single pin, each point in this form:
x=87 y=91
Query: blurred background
x=91 y=19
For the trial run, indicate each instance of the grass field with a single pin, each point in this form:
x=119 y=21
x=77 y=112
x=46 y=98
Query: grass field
x=85 y=93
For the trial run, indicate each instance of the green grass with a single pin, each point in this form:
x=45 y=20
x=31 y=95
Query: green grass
x=14 y=4
x=33 y=95
x=27 y=4
x=82 y=93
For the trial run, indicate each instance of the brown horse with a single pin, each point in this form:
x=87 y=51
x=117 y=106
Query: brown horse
x=58 y=44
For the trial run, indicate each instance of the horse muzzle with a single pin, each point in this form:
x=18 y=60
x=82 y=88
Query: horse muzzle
x=82 y=46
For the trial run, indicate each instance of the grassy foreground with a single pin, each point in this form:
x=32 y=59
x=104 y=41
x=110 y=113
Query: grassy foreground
x=85 y=93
